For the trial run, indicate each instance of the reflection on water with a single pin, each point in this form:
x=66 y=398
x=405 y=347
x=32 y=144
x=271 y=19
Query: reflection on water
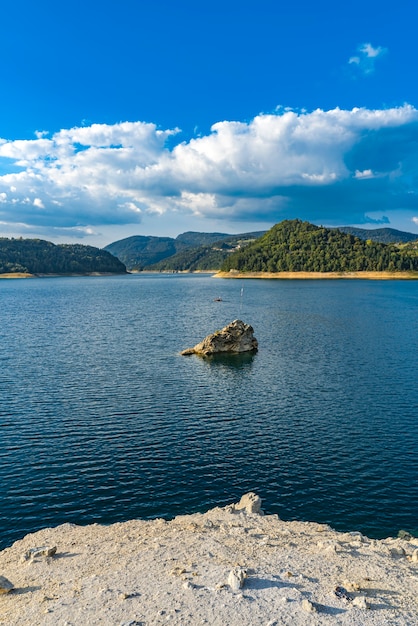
x=240 y=361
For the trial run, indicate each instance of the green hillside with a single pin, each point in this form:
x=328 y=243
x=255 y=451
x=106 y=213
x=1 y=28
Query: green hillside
x=206 y=257
x=139 y=251
x=293 y=246
x=35 y=256
x=193 y=239
x=190 y=251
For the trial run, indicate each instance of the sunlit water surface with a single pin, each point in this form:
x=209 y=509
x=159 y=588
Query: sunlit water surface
x=101 y=419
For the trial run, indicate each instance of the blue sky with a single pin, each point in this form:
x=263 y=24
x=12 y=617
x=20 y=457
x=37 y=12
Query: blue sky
x=135 y=117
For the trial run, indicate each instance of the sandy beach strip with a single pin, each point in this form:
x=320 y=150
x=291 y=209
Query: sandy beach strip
x=321 y=275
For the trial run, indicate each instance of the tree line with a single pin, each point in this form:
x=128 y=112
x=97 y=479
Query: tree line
x=296 y=246
x=36 y=256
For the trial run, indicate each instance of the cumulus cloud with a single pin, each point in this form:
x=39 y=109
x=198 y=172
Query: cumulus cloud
x=365 y=58
x=333 y=166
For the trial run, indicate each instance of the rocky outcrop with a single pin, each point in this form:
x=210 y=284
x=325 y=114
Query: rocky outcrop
x=236 y=337
x=231 y=565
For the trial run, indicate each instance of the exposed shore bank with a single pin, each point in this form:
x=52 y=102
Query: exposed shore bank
x=17 y=275
x=23 y=275
x=321 y=275
x=230 y=566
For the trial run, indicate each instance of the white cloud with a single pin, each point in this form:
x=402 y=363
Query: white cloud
x=363 y=174
x=333 y=166
x=366 y=57
x=415 y=220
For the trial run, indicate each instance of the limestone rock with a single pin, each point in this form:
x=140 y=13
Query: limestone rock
x=234 y=338
x=43 y=551
x=236 y=578
x=5 y=585
x=250 y=503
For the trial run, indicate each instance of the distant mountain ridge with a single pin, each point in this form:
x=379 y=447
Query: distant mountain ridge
x=36 y=256
x=189 y=251
x=382 y=235
x=195 y=251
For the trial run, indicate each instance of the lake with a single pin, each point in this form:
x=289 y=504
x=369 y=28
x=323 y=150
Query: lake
x=101 y=419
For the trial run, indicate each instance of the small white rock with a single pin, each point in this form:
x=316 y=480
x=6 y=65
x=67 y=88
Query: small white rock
x=43 y=551
x=360 y=602
x=308 y=606
x=236 y=578
x=188 y=585
x=397 y=551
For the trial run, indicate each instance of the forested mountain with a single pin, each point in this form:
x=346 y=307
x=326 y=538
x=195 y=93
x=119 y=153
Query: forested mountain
x=35 y=256
x=194 y=240
x=139 y=251
x=205 y=258
x=293 y=245
x=188 y=252
x=383 y=235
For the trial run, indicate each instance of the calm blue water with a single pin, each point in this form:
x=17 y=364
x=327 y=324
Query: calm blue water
x=101 y=420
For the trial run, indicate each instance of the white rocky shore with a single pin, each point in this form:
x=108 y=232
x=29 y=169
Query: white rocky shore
x=230 y=566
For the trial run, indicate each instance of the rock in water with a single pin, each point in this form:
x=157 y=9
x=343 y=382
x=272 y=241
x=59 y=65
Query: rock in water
x=236 y=337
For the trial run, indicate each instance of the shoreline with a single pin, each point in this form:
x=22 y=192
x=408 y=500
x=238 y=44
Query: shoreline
x=321 y=275
x=228 y=566
x=9 y=275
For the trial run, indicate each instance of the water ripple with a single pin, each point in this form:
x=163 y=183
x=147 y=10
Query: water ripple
x=101 y=420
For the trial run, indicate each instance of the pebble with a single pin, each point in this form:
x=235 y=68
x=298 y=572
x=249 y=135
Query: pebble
x=188 y=585
x=397 y=551
x=343 y=594
x=5 y=585
x=360 y=602
x=308 y=606
x=236 y=578
x=414 y=557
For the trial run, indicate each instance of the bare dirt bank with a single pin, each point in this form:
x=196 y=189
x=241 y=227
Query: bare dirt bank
x=321 y=275
x=230 y=566
x=23 y=275
x=16 y=275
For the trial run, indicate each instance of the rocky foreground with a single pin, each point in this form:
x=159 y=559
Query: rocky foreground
x=230 y=566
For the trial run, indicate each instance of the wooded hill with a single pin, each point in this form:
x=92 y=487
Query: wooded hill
x=205 y=258
x=35 y=256
x=296 y=246
x=194 y=251
x=189 y=251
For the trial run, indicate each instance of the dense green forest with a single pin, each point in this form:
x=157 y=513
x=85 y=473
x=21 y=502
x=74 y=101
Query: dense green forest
x=194 y=251
x=138 y=251
x=189 y=251
x=142 y=252
x=296 y=246
x=204 y=258
x=35 y=256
